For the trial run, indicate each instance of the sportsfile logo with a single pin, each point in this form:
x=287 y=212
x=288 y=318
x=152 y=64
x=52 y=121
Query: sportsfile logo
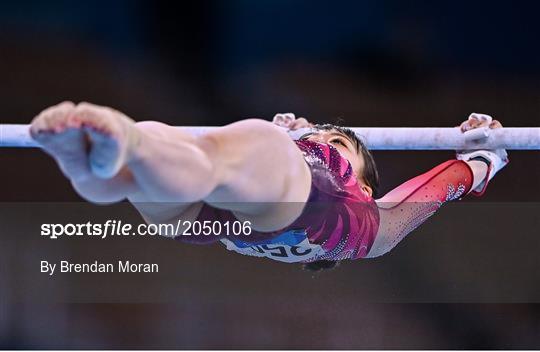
x=117 y=228
x=100 y=230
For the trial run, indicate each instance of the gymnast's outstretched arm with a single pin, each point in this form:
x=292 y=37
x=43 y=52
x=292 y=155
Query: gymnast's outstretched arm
x=409 y=205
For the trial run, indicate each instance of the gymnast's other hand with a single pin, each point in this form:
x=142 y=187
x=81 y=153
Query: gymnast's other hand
x=495 y=159
x=477 y=121
x=289 y=121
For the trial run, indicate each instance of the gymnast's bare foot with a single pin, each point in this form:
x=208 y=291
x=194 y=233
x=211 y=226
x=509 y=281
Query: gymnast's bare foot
x=85 y=139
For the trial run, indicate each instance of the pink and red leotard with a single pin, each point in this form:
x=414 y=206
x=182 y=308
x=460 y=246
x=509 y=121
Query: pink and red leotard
x=340 y=221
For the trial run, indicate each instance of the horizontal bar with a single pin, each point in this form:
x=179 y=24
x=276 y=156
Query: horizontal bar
x=376 y=138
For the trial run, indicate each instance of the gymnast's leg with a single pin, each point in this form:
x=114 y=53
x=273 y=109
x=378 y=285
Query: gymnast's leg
x=108 y=158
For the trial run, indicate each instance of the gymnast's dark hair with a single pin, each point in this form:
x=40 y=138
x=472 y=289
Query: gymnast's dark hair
x=320 y=265
x=369 y=174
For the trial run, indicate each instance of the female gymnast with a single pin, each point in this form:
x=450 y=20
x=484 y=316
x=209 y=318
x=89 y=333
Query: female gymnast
x=308 y=201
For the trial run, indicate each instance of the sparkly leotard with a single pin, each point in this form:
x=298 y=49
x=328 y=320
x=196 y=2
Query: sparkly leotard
x=339 y=220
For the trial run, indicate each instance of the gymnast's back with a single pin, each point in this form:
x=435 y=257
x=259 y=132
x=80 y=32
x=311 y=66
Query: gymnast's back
x=339 y=220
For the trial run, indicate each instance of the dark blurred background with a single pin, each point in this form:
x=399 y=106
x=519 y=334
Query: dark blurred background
x=363 y=63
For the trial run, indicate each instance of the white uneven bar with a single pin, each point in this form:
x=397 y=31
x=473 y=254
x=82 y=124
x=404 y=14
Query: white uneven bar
x=376 y=138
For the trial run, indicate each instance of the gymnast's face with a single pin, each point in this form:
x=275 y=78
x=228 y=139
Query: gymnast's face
x=346 y=147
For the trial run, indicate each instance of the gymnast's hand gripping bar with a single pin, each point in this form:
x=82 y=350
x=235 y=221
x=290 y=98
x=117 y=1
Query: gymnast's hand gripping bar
x=376 y=138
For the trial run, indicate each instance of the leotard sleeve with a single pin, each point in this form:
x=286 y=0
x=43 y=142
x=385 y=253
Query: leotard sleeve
x=409 y=205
